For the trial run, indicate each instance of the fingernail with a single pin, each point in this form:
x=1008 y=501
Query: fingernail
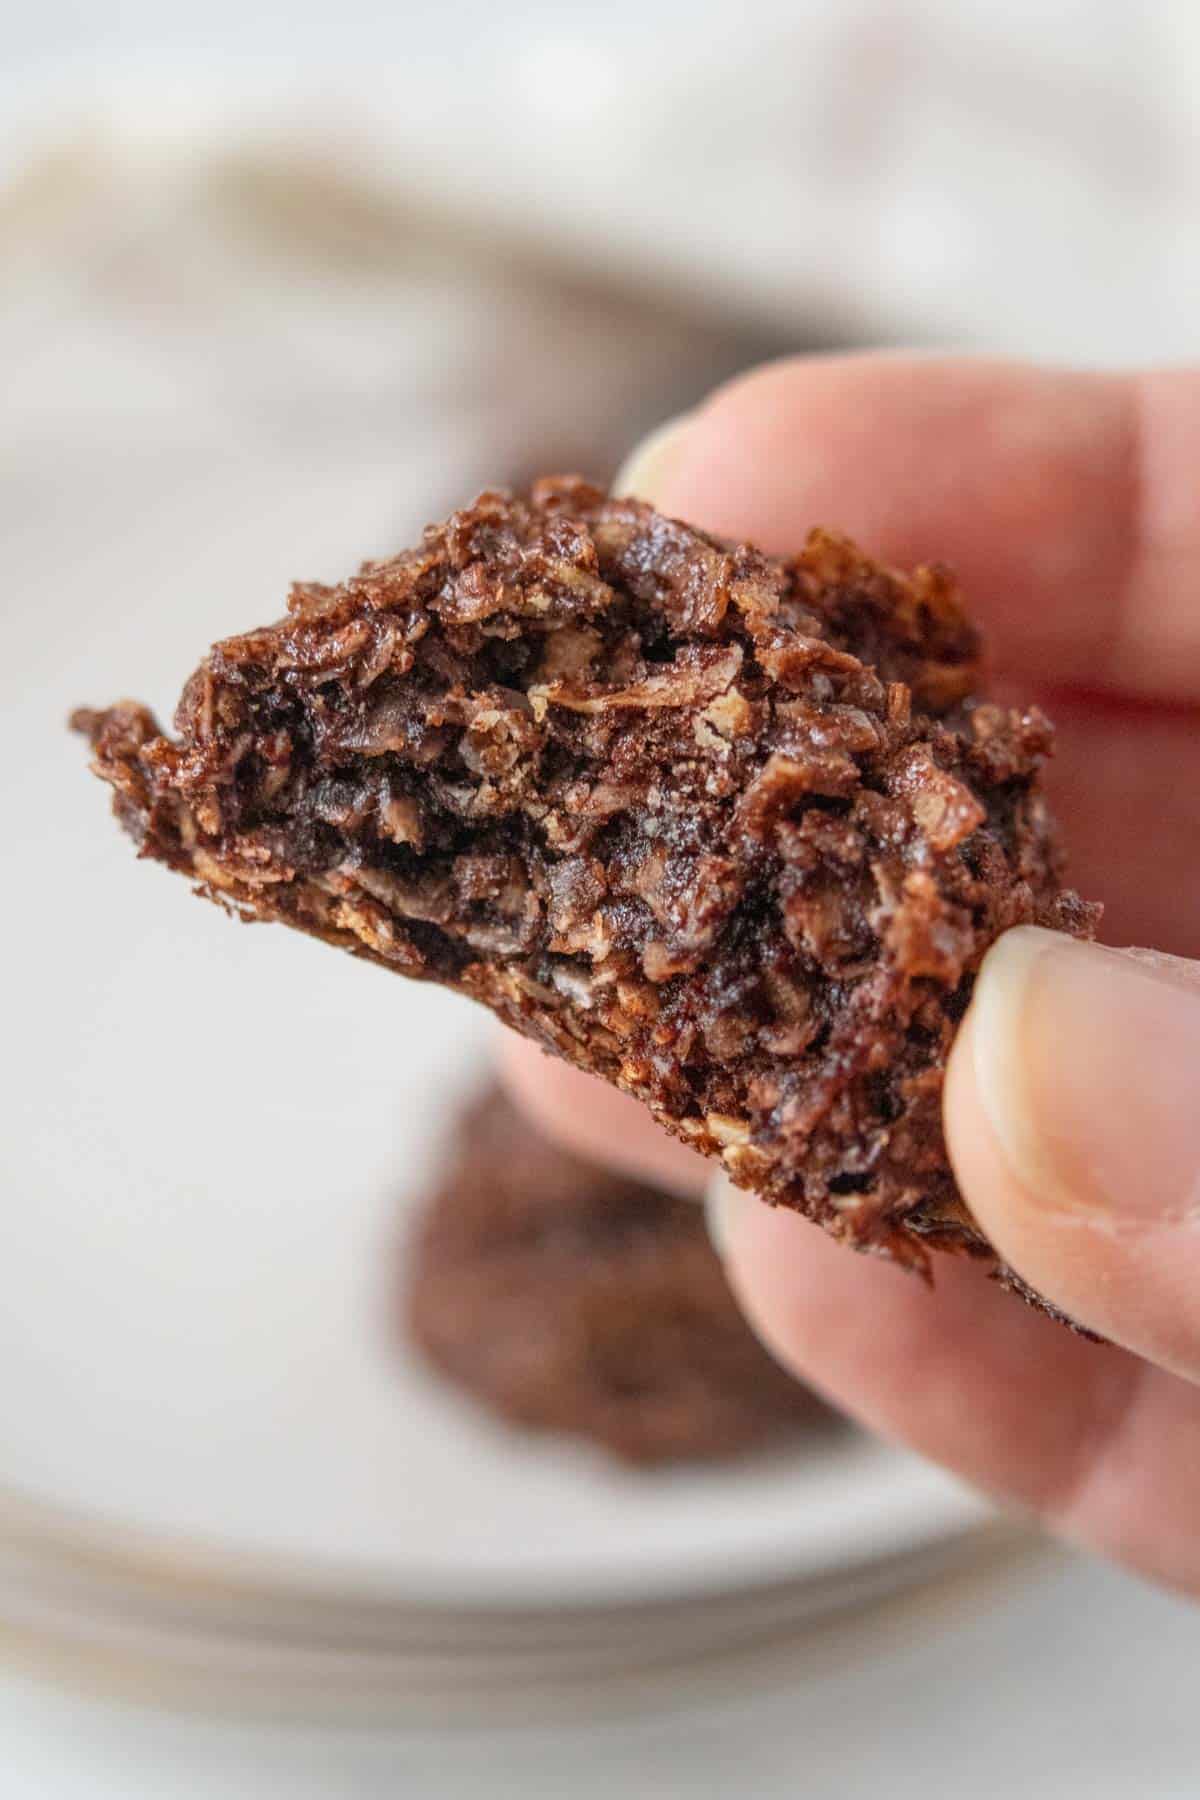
x=647 y=467
x=1087 y=1063
x=724 y=1205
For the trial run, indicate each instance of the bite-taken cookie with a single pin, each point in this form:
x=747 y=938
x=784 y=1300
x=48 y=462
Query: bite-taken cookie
x=732 y=831
x=570 y=1299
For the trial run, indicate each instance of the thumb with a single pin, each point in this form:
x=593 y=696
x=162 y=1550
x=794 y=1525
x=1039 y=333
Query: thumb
x=1073 y=1121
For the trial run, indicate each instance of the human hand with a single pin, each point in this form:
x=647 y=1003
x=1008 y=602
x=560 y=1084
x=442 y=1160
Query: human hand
x=1069 y=505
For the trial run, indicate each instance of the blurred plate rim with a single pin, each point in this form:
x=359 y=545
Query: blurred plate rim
x=915 y=1508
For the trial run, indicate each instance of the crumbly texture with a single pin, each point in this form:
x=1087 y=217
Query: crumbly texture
x=731 y=831
x=569 y=1299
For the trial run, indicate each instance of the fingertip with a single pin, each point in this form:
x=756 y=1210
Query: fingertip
x=646 y=471
x=1018 y=477
x=1011 y=1212
x=813 y=440
x=1071 y=1126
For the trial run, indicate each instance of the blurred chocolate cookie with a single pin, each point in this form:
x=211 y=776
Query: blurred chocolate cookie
x=571 y=1299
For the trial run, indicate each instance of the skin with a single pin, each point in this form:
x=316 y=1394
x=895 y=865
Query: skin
x=1069 y=505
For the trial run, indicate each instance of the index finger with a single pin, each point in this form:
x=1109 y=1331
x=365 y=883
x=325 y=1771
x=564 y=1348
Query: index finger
x=1068 y=503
